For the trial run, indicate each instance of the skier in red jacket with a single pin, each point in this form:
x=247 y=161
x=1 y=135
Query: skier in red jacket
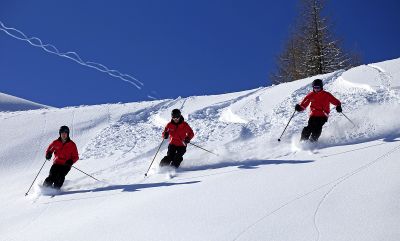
x=65 y=155
x=320 y=101
x=180 y=134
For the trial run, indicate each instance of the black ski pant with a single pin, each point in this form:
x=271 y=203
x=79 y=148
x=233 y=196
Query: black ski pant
x=57 y=176
x=174 y=156
x=314 y=128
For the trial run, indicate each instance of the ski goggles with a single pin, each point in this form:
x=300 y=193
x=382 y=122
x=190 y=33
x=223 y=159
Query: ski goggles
x=317 y=87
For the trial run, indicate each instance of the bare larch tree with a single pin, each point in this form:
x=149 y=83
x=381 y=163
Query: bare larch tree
x=311 y=48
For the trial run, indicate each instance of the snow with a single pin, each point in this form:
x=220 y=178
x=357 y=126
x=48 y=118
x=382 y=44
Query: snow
x=12 y=103
x=345 y=188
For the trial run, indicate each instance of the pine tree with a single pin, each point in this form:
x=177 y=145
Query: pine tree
x=289 y=63
x=322 y=52
x=311 y=49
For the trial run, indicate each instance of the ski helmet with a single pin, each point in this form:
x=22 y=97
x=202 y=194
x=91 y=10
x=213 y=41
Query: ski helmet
x=176 y=113
x=64 y=129
x=318 y=82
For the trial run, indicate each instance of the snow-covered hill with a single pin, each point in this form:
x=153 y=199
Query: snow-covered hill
x=256 y=189
x=12 y=103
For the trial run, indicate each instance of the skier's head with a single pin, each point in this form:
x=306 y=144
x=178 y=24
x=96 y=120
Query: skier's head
x=317 y=85
x=64 y=129
x=176 y=113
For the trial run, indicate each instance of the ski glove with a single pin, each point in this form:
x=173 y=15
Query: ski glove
x=186 y=140
x=166 y=135
x=48 y=155
x=339 y=108
x=298 y=107
x=69 y=162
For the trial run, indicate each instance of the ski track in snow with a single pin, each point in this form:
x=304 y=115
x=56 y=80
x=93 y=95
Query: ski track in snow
x=268 y=214
x=344 y=178
x=109 y=114
x=73 y=123
x=38 y=150
x=11 y=115
x=335 y=184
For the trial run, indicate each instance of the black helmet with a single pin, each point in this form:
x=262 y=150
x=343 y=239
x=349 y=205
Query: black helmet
x=63 y=129
x=176 y=113
x=318 y=82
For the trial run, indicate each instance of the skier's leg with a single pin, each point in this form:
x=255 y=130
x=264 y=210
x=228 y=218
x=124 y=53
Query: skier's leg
x=63 y=171
x=305 y=134
x=317 y=128
x=178 y=158
x=48 y=182
x=166 y=161
x=57 y=176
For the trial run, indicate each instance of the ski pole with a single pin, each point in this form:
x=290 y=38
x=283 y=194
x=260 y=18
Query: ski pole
x=86 y=174
x=35 y=178
x=154 y=157
x=279 y=139
x=348 y=119
x=203 y=149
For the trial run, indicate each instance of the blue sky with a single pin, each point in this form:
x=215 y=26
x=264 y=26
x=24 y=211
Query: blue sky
x=176 y=48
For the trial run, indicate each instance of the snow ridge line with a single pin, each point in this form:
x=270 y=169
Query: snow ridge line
x=385 y=77
x=212 y=113
x=345 y=177
x=219 y=106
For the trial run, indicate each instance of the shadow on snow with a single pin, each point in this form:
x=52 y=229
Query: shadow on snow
x=127 y=187
x=250 y=164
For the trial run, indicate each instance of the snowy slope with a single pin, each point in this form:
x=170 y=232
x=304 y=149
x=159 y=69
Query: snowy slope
x=12 y=103
x=256 y=189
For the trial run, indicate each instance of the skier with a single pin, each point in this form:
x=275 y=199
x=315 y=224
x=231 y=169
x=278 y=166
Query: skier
x=180 y=134
x=65 y=155
x=320 y=100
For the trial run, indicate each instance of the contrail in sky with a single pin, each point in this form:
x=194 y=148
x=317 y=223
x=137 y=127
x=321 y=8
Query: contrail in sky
x=36 y=42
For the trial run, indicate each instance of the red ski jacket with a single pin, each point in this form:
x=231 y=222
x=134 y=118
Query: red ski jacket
x=63 y=151
x=178 y=132
x=319 y=103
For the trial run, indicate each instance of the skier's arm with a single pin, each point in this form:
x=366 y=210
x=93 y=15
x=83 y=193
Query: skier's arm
x=306 y=101
x=49 y=151
x=190 y=133
x=333 y=100
x=165 y=133
x=75 y=155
